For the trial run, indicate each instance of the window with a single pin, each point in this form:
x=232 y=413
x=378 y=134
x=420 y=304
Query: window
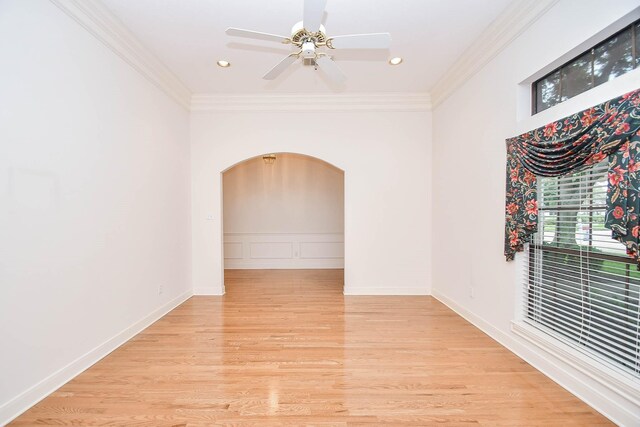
x=580 y=286
x=614 y=57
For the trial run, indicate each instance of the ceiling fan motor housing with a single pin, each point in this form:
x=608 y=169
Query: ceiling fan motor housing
x=308 y=43
x=308 y=49
x=299 y=34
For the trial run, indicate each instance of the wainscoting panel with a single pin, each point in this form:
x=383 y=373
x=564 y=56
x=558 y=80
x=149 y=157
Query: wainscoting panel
x=282 y=251
x=271 y=250
x=233 y=250
x=311 y=250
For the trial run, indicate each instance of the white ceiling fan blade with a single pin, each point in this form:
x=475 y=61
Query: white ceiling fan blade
x=237 y=32
x=313 y=12
x=362 y=41
x=280 y=67
x=331 y=69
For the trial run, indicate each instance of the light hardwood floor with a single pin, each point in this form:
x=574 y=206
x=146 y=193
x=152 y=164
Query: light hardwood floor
x=286 y=347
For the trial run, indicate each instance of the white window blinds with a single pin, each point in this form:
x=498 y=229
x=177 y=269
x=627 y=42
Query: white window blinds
x=580 y=287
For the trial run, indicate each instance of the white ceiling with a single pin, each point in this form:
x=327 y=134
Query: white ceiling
x=188 y=37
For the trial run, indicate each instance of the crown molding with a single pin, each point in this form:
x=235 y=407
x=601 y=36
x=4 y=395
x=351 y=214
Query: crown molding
x=512 y=22
x=312 y=102
x=107 y=28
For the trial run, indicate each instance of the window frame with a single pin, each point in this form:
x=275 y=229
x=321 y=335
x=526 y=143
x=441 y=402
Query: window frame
x=543 y=334
x=618 y=381
x=635 y=61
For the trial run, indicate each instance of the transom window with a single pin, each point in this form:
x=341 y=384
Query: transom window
x=580 y=286
x=614 y=57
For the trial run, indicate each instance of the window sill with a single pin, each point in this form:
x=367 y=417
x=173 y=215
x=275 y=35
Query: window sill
x=620 y=383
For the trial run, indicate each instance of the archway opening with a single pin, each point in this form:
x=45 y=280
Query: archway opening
x=283 y=211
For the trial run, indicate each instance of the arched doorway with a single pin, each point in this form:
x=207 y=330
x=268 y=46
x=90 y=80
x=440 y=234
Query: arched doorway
x=283 y=211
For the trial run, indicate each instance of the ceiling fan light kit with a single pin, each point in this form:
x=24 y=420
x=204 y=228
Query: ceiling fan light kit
x=308 y=36
x=269 y=159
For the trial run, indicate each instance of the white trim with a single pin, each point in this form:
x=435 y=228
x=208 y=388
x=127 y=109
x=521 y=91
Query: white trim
x=284 y=264
x=382 y=290
x=39 y=391
x=106 y=27
x=512 y=22
x=616 y=382
x=208 y=291
x=313 y=102
x=625 y=83
x=283 y=250
x=266 y=233
x=585 y=46
x=476 y=321
x=594 y=96
x=550 y=367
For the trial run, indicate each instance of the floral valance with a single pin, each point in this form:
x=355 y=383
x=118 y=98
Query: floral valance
x=610 y=129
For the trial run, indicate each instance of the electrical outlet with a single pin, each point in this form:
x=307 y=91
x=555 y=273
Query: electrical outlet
x=472 y=293
x=160 y=290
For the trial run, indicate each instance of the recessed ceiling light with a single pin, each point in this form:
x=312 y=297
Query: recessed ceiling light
x=395 y=61
x=224 y=64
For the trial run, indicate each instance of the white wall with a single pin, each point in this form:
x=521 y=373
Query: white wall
x=289 y=214
x=470 y=273
x=387 y=176
x=94 y=201
x=295 y=194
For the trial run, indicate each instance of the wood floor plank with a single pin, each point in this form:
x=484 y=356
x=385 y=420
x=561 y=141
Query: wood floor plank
x=286 y=347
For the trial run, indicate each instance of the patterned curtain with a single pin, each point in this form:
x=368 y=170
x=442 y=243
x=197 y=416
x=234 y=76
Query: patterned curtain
x=611 y=129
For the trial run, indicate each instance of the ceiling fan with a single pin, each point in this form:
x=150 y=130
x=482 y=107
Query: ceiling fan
x=309 y=36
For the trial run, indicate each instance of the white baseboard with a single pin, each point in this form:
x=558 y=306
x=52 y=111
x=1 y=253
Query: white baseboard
x=549 y=366
x=382 y=290
x=619 y=382
x=210 y=291
x=283 y=264
x=39 y=391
